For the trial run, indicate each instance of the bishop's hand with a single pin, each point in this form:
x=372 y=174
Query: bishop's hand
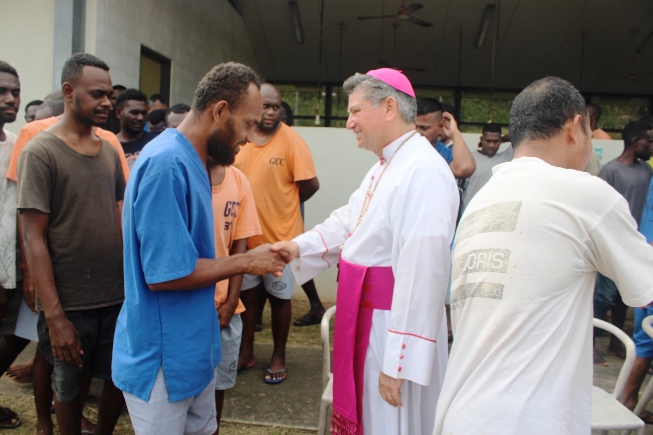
x=288 y=250
x=389 y=389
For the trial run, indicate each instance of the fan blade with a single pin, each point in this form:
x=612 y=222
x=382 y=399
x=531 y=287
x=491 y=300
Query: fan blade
x=621 y=76
x=374 y=18
x=411 y=9
x=419 y=22
x=388 y=64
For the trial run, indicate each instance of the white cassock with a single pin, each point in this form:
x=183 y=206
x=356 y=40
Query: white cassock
x=409 y=226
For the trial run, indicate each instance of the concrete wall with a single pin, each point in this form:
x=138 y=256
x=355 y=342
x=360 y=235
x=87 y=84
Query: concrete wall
x=341 y=166
x=29 y=26
x=195 y=35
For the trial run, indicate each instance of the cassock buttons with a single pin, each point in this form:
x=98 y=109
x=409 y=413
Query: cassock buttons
x=403 y=346
x=401 y=357
x=399 y=369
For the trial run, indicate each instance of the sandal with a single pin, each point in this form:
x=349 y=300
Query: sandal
x=9 y=419
x=272 y=381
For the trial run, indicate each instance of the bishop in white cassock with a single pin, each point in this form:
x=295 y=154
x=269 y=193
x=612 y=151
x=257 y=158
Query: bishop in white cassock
x=392 y=241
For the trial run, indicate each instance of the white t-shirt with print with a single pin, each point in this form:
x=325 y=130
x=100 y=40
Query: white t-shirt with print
x=524 y=264
x=9 y=272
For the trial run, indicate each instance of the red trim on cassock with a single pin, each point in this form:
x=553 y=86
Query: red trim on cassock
x=326 y=248
x=412 y=335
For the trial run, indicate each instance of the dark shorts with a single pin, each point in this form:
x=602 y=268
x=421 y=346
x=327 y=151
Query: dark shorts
x=14 y=297
x=95 y=328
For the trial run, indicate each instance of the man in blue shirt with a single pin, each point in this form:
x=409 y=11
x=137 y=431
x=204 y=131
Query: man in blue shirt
x=430 y=122
x=167 y=342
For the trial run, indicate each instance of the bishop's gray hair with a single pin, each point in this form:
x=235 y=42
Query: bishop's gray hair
x=376 y=91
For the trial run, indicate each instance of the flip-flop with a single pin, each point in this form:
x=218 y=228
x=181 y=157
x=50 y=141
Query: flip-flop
x=647 y=417
x=13 y=419
x=278 y=380
x=306 y=321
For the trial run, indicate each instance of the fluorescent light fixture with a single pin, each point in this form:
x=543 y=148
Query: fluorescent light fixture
x=485 y=25
x=296 y=21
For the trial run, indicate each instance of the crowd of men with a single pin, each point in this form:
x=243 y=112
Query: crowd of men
x=145 y=239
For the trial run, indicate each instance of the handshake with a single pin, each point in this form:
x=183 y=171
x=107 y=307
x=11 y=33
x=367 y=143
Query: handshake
x=272 y=259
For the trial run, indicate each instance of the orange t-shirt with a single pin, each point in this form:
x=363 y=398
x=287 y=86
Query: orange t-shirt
x=33 y=128
x=234 y=218
x=273 y=170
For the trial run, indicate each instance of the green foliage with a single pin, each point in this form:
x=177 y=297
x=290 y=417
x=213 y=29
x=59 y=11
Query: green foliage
x=477 y=107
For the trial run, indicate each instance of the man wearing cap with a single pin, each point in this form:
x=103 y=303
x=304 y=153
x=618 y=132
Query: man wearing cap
x=390 y=347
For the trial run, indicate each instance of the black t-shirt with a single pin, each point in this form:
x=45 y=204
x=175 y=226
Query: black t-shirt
x=134 y=147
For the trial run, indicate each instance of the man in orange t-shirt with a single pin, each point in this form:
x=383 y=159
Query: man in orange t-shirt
x=235 y=220
x=280 y=168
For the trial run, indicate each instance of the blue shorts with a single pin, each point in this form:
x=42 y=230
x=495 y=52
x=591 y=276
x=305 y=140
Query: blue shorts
x=643 y=342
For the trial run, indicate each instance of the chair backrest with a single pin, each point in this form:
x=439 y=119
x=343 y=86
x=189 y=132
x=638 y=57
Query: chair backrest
x=647 y=325
x=630 y=355
x=326 y=345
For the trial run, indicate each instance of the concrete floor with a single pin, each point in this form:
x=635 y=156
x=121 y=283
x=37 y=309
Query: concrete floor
x=295 y=403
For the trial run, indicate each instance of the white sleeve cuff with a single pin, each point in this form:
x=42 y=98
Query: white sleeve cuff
x=409 y=357
x=310 y=261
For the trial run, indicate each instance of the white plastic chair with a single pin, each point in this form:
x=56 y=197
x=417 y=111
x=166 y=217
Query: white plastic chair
x=327 y=376
x=607 y=412
x=647 y=325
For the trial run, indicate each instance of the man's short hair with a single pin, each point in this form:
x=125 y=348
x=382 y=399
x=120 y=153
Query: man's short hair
x=492 y=128
x=55 y=102
x=74 y=67
x=597 y=109
x=156 y=116
x=118 y=88
x=446 y=107
x=6 y=68
x=290 y=117
x=178 y=108
x=128 y=95
x=427 y=105
x=542 y=109
x=158 y=97
x=226 y=81
x=33 y=103
x=376 y=91
x=53 y=95
x=634 y=130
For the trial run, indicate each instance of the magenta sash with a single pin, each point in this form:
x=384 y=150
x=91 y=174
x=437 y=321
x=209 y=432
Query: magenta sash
x=361 y=290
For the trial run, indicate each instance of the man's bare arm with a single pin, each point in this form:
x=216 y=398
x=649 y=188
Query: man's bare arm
x=226 y=310
x=28 y=286
x=307 y=188
x=463 y=164
x=63 y=335
x=258 y=261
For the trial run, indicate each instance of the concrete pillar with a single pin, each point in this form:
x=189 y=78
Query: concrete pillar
x=68 y=35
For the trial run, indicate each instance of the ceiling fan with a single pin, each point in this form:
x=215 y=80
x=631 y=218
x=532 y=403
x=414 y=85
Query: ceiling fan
x=393 y=64
x=633 y=76
x=404 y=13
